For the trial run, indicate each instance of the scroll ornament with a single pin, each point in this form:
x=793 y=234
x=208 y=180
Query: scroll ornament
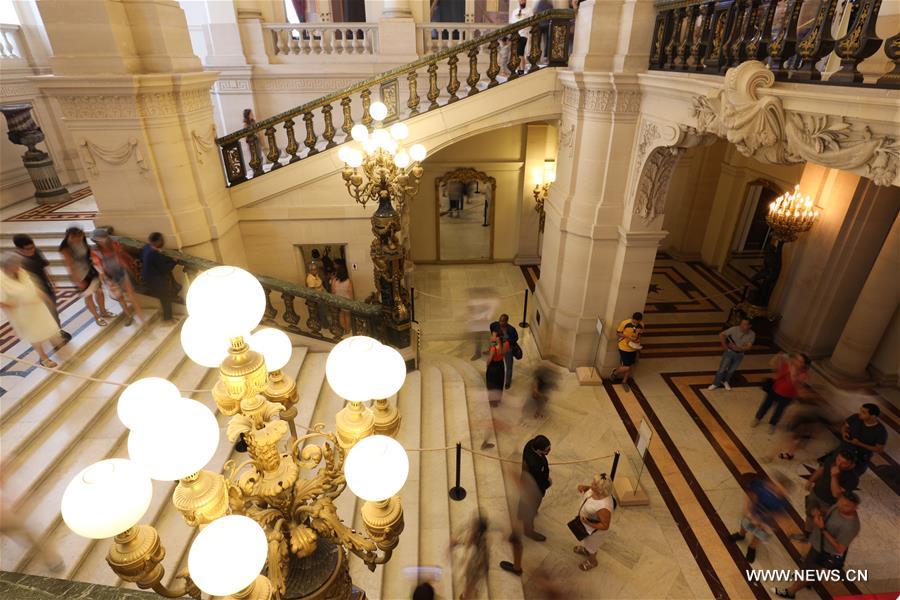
x=761 y=128
x=203 y=143
x=112 y=156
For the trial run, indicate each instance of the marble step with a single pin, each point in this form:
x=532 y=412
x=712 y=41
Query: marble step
x=435 y=468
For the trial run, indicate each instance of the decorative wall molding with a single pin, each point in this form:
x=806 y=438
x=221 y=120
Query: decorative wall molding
x=126 y=106
x=112 y=156
x=9 y=90
x=203 y=143
x=602 y=101
x=567 y=138
x=759 y=126
x=232 y=85
x=295 y=84
x=79 y=108
x=653 y=185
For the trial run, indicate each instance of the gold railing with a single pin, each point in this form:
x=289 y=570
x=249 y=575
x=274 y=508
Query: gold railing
x=278 y=133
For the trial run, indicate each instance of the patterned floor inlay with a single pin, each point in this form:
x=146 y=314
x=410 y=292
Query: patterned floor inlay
x=55 y=212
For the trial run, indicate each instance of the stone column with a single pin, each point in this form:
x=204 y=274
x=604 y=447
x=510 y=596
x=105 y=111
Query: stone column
x=870 y=317
x=137 y=103
x=396 y=34
x=396 y=9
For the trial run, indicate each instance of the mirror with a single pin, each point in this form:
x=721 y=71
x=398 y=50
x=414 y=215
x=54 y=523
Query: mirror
x=465 y=215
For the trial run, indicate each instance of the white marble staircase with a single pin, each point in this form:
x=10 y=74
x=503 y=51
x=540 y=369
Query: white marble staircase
x=53 y=426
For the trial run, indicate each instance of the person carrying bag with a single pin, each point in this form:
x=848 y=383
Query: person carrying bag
x=594 y=517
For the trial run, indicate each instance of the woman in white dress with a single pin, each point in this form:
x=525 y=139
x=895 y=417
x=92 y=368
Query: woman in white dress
x=596 y=514
x=25 y=307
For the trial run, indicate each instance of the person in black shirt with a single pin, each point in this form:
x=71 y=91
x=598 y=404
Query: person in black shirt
x=864 y=435
x=156 y=271
x=507 y=333
x=834 y=478
x=535 y=482
x=34 y=262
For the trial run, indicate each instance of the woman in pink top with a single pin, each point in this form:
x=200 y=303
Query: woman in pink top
x=343 y=287
x=791 y=372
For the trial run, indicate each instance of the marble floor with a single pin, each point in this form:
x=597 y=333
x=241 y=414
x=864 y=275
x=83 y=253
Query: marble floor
x=702 y=447
x=464 y=236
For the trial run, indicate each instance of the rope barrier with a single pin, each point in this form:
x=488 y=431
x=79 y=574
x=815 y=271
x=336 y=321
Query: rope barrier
x=418 y=291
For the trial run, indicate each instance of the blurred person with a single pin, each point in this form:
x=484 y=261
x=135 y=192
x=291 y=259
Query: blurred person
x=812 y=416
x=424 y=591
x=541 y=6
x=596 y=511
x=547 y=586
x=481 y=308
x=474 y=543
x=736 y=341
x=864 y=435
x=14 y=527
x=26 y=307
x=456 y=192
x=543 y=383
x=791 y=373
x=156 y=273
x=629 y=335
x=509 y=335
x=343 y=287
x=834 y=478
x=765 y=500
x=516 y=14
x=249 y=120
x=34 y=262
x=328 y=268
x=494 y=373
x=314 y=282
x=112 y=263
x=503 y=55
x=833 y=532
x=77 y=255
x=535 y=481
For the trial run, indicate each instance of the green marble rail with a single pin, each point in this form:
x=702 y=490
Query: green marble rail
x=18 y=586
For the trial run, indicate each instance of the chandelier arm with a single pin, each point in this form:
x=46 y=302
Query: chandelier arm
x=187 y=588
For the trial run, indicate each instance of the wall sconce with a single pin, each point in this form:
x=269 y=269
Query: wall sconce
x=542 y=189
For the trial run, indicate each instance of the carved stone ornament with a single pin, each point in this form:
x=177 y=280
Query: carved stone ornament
x=653 y=184
x=761 y=128
x=567 y=138
x=600 y=101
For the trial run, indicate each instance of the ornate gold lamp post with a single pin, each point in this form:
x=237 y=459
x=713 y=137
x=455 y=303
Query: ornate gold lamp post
x=264 y=519
x=542 y=190
x=790 y=215
x=377 y=169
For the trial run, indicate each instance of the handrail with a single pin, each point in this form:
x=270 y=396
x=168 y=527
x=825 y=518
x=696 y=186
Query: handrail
x=322 y=318
x=260 y=126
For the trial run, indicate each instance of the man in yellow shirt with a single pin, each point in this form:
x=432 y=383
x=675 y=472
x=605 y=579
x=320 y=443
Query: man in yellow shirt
x=629 y=333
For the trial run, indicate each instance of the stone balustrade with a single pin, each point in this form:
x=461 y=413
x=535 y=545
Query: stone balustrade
x=800 y=41
x=313 y=40
x=434 y=37
x=12 y=43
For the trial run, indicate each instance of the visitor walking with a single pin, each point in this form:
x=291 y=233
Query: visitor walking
x=314 y=282
x=113 y=265
x=26 y=307
x=474 y=544
x=629 y=335
x=833 y=532
x=834 y=478
x=536 y=481
x=864 y=435
x=812 y=416
x=736 y=341
x=541 y=6
x=456 y=192
x=34 y=262
x=595 y=515
x=343 y=287
x=544 y=382
x=250 y=121
x=764 y=502
x=481 y=307
x=509 y=335
x=494 y=375
x=520 y=13
x=156 y=273
x=77 y=256
x=791 y=372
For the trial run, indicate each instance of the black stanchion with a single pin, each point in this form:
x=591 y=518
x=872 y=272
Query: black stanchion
x=524 y=322
x=612 y=474
x=412 y=305
x=458 y=492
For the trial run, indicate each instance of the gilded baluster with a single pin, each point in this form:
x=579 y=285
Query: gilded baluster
x=891 y=79
x=782 y=47
x=534 y=55
x=701 y=37
x=687 y=37
x=313 y=322
x=734 y=39
x=413 y=103
x=292 y=145
x=722 y=22
x=494 y=66
x=513 y=65
x=453 y=85
x=310 y=140
x=758 y=46
x=860 y=43
x=672 y=46
x=752 y=14
x=274 y=153
x=290 y=316
x=433 y=91
x=334 y=325
x=329 y=132
x=256 y=160
x=474 y=75
x=661 y=33
x=348 y=118
x=816 y=44
x=366 y=96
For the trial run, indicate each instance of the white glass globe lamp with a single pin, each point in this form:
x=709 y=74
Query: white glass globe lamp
x=389 y=372
x=378 y=111
x=179 y=447
x=381 y=137
x=417 y=152
x=274 y=345
x=401 y=159
x=145 y=401
x=106 y=498
x=355 y=159
x=399 y=131
x=351 y=367
x=344 y=152
x=376 y=468
x=227 y=555
x=370 y=146
x=359 y=132
x=391 y=146
x=228 y=297
x=203 y=342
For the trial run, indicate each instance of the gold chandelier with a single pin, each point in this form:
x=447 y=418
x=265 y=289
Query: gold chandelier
x=790 y=215
x=277 y=508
